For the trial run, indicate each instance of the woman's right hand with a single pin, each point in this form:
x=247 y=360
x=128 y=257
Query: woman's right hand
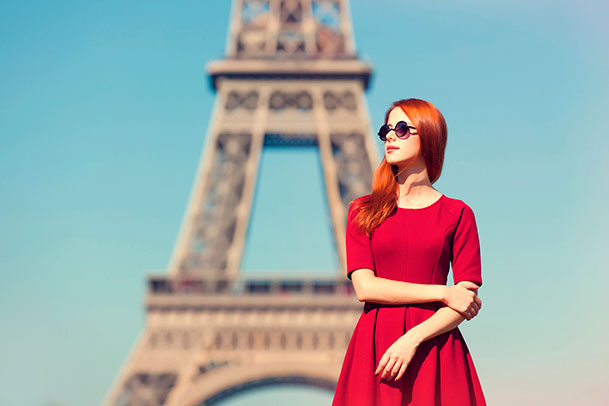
x=463 y=298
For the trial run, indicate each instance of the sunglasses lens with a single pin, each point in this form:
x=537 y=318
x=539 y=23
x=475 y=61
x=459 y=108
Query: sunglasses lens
x=383 y=131
x=401 y=129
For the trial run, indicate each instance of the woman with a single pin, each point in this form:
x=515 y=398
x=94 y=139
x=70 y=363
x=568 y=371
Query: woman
x=406 y=348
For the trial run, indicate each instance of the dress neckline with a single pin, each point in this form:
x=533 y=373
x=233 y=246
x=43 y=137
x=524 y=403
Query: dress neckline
x=423 y=208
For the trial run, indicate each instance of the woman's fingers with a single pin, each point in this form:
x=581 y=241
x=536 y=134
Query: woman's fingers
x=388 y=367
x=396 y=368
x=474 y=308
x=380 y=367
x=462 y=299
x=385 y=364
x=472 y=311
x=401 y=371
x=382 y=364
x=468 y=285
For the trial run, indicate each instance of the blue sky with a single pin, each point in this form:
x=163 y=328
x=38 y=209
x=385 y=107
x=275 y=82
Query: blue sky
x=103 y=113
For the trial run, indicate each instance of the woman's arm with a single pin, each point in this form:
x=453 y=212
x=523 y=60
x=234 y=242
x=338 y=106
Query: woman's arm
x=444 y=319
x=370 y=288
x=399 y=354
x=461 y=298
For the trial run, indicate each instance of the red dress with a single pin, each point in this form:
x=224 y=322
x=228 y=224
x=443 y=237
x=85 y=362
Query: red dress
x=412 y=245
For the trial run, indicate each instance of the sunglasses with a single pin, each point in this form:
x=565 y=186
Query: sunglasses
x=402 y=130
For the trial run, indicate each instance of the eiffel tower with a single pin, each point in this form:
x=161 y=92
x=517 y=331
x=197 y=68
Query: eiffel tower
x=290 y=78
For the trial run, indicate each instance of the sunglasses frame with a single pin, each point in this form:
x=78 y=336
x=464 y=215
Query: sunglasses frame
x=404 y=136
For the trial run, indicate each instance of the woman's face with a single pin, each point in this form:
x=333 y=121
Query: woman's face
x=398 y=151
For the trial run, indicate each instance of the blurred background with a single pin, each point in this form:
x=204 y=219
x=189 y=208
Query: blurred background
x=104 y=108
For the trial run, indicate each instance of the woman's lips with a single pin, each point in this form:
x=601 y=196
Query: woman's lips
x=389 y=149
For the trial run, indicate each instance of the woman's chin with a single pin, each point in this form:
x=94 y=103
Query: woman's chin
x=391 y=161
x=400 y=163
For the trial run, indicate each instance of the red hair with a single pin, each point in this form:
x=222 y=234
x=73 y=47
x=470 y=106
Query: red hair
x=373 y=209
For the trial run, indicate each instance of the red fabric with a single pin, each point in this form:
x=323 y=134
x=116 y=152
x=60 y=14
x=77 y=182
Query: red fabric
x=412 y=245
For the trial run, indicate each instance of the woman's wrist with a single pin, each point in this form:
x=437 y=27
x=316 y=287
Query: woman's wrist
x=443 y=293
x=414 y=337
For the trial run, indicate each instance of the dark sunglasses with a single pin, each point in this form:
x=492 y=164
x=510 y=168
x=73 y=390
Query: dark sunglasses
x=402 y=130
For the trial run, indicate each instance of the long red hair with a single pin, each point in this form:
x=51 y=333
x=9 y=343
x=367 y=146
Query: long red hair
x=430 y=124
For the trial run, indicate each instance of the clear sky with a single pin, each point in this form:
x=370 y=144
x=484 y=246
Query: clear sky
x=104 y=108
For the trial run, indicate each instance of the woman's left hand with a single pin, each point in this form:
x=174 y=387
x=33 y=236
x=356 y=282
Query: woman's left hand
x=397 y=357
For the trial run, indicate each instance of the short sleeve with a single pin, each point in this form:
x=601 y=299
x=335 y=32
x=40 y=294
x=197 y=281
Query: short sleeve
x=359 y=250
x=465 y=254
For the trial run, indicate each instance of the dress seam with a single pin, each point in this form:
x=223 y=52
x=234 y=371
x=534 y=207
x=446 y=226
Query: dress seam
x=376 y=312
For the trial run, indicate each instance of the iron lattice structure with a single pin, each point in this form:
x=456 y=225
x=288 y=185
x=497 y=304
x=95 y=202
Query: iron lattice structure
x=290 y=78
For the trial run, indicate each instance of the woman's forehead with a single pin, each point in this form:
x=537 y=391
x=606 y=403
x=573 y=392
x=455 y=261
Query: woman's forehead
x=397 y=114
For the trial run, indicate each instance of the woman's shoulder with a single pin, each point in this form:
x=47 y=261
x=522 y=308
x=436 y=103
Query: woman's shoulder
x=457 y=206
x=363 y=197
x=359 y=200
x=455 y=201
